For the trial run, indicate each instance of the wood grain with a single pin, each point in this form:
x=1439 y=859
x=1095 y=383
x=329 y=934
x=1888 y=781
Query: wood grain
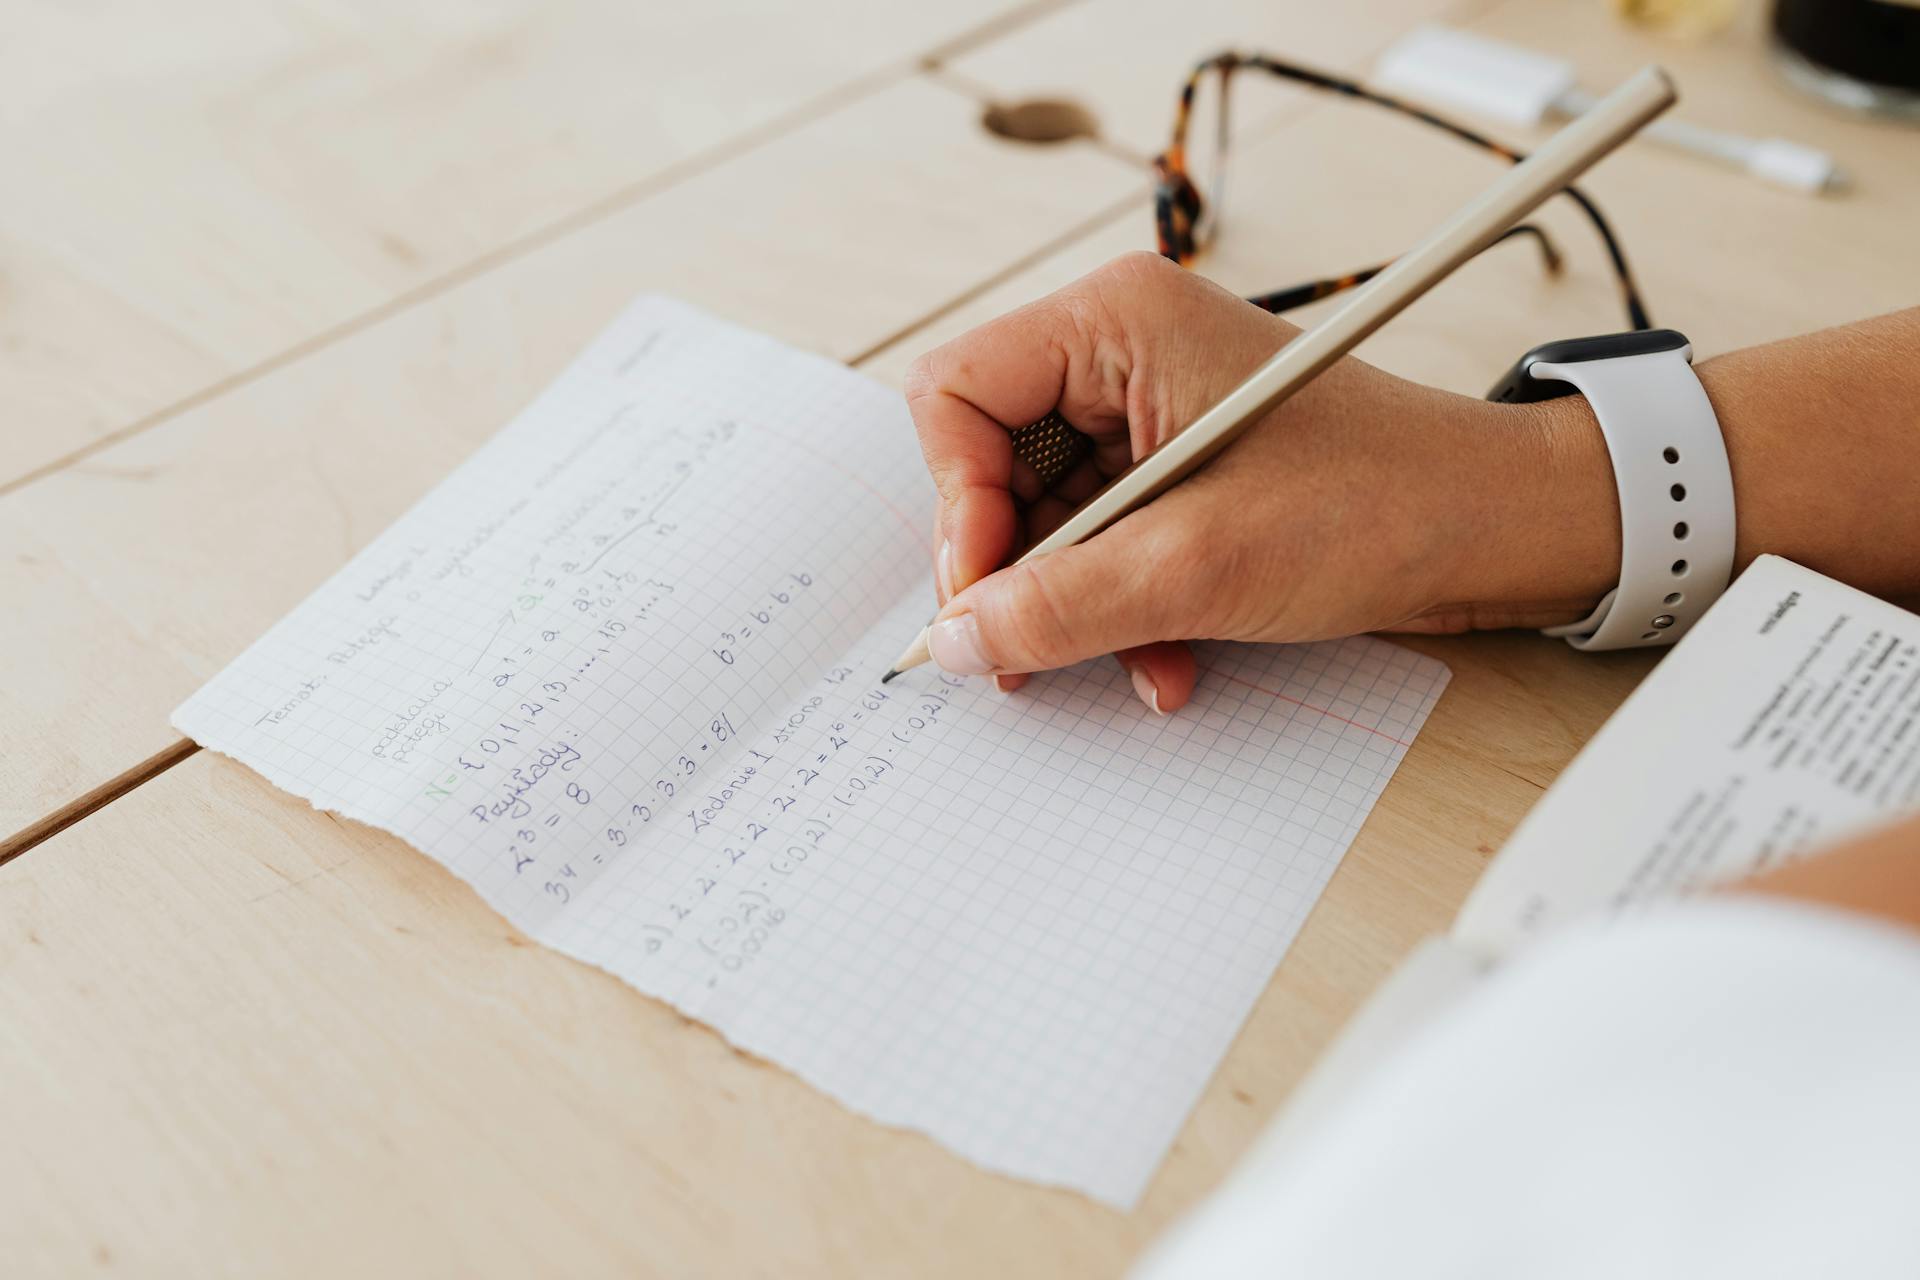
x=194 y=189
x=1727 y=259
x=142 y=570
x=55 y=821
x=243 y=1037
x=1125 y=62
x=247 y=1038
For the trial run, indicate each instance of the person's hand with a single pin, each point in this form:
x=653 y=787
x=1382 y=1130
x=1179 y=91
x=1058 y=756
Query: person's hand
x=1876 y=875
x=1364 y=503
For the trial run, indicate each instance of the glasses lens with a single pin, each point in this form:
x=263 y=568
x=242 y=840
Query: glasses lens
x=1206 y=146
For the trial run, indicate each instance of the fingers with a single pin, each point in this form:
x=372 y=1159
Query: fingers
x=1081 y=352
x=1124 y=589
x=1050 y=510
x=966 y=397
x=978 y=523
x=1163 y=674
x=942 y=565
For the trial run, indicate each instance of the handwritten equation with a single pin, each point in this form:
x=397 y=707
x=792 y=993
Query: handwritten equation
x=619 y=671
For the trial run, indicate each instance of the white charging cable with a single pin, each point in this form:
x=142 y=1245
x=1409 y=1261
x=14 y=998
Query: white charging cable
x=1487 y=77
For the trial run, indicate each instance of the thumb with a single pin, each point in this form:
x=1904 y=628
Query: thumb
x=1120 y=589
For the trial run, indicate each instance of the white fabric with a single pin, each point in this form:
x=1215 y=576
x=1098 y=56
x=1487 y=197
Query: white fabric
x=1727 y=1087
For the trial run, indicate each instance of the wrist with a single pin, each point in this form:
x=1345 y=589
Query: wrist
x=1540 y=544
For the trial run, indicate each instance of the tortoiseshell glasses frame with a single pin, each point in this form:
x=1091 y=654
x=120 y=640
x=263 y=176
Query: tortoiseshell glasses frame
x=1185 y=221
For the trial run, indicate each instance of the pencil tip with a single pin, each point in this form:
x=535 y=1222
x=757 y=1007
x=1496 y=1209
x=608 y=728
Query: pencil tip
x=891 y=673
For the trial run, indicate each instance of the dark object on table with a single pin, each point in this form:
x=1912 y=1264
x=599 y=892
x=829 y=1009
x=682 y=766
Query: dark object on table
x=1863 y=54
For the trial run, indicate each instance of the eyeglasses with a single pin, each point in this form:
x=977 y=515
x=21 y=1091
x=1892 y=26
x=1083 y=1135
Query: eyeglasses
x=1186 y=222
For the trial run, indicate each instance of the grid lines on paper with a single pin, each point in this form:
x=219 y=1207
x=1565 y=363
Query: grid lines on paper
x=1029 y=926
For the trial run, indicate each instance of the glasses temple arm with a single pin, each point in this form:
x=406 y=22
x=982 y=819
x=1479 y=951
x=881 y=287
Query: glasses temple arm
x=1228 y=62
x=1300 y=295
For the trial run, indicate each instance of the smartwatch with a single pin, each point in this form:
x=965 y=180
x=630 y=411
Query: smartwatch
x=1670 y=467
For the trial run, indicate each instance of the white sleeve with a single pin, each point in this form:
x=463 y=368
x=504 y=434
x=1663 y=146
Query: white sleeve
x=1722 y=1087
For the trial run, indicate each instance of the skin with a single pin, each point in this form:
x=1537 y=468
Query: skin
x=1366 y=502
x=1876 y=875
x=1370 y=503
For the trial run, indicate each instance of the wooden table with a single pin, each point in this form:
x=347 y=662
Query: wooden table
x=268 y=272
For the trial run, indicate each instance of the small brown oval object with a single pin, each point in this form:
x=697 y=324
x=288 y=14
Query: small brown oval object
x=1042 y=120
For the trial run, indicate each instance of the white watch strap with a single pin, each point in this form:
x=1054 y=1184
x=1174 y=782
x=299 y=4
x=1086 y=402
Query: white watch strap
x=1676 y=496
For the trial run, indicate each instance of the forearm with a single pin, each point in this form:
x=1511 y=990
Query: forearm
x=1823 y=433
x=1875 y=875
x=1823 y=438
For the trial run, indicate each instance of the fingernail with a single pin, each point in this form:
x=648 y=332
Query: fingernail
x=956 y=646
x=1144 y=686
x=1003 y=683
x=943 y=570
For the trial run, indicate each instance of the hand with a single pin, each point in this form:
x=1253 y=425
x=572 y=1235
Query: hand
x=1364 y=503
x=1877 y=874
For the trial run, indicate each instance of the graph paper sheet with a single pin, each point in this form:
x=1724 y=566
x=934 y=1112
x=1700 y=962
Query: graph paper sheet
x=619 y=672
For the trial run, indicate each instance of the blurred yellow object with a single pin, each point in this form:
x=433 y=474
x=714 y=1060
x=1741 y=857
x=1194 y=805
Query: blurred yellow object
x=1684 y=19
